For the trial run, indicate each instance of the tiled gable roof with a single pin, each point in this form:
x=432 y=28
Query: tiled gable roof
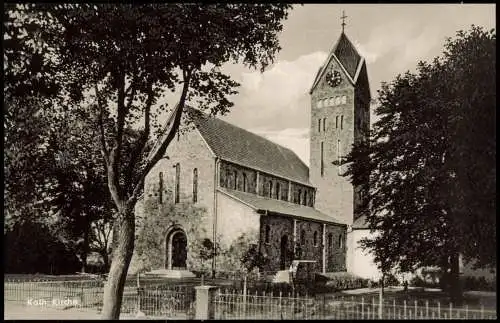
x=245 y=148
x=347 y=55
x=260 y=204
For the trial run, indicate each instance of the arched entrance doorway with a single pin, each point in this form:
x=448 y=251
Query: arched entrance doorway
x=176 y=250
x=284 y=252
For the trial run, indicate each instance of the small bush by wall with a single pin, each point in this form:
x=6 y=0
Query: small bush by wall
x=479 y=284
x=341 y=281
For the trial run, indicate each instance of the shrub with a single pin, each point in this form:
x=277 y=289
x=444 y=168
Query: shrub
x=419 y=281
x=391 y=280
x=479 y=284
x=341 y=281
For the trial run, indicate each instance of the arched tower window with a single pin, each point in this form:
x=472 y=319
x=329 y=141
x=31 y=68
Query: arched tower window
x=319 y=125
x=336 y=121
x=177 y=182
x=324 y=124
x=195 y=185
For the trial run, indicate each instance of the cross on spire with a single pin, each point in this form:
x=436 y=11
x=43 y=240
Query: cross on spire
x=343 y=20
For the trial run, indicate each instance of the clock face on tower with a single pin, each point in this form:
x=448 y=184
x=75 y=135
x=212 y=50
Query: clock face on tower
x=333 y=78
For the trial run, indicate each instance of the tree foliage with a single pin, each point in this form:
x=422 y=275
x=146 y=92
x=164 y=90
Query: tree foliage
x=125 y=59
x=431 y=160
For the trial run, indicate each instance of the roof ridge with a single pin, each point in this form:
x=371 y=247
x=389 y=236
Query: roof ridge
x=247 y=131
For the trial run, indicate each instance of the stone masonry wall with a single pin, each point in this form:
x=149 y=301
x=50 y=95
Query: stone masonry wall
x=278 y=228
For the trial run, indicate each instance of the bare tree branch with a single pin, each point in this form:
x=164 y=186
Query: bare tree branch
x=115 y=154
x=172 y=126
x=100 y=121
x=143 y=139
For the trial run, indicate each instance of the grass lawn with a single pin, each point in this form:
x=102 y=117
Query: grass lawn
x=471 y=299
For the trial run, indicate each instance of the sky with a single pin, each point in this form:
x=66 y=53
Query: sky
x=391 y=37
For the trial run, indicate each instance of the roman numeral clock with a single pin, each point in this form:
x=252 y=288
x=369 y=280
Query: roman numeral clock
x=333 y=78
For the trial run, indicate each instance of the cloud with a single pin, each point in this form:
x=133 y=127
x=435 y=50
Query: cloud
x=296 y=139
x=402 y=41
x=277 y=98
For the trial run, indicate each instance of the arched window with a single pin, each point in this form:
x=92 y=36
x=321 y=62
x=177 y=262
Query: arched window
x=344 y=99
x=330 y=240
x=303 y=237
x=235 y=177
x=319 y=125
x=305 y=198
x=315 y=238
x=267 y=233
x=341 y=242
x=195 y=185
x=322 y=164
x=278 y=191
x=339 y=156
x=177 y=182
x=324 y=124
x=341 y=122
x=336 y=121
x=270 y=187
x=245 y=182
x=160 y=187
x=228 y=177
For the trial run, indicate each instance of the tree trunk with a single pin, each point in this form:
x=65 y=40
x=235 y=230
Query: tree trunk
x=85 y=244
x=455 y=287
x=122 y=254
x=105 y=258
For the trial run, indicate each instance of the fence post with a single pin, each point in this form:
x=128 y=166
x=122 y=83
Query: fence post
x=380 y=302
x=245 y=295
x=205 y=302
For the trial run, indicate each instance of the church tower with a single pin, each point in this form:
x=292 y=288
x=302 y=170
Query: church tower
x=340 y=116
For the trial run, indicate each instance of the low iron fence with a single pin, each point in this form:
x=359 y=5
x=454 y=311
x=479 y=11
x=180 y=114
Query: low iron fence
x=235 y=305
x=153 y=299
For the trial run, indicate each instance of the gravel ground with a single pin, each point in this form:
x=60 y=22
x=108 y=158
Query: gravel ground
x=24 y=312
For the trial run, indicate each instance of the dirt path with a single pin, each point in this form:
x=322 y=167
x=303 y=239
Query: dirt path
x=23 y=312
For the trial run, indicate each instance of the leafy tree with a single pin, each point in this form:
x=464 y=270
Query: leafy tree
x=423 y=195
x=254 y=258
x=126 y=57
x=50 y=179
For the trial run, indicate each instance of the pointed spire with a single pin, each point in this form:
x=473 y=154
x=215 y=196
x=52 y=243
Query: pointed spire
x=343 y=20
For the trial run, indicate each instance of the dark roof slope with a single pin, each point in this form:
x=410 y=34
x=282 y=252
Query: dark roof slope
x=347 y=55
x=242 y=147
x=260 y=203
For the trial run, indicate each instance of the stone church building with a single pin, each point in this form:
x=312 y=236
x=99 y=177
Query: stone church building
x=250 y=185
